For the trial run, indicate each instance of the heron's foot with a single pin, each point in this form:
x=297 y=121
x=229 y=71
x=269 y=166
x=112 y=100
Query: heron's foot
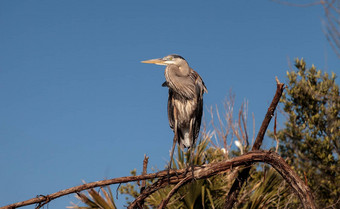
x=168 y=174
x=193 y=172
x=190 y=168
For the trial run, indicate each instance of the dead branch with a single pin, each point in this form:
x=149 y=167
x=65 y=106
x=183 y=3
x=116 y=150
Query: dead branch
x=244 y=174
x=77 y=189
x=201 y=172
x=145 y=166
x=212 y=169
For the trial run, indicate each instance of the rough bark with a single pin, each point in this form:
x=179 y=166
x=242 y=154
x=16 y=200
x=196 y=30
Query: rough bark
x=204 y=171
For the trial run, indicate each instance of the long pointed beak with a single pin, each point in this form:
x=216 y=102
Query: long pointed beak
x=155 y=61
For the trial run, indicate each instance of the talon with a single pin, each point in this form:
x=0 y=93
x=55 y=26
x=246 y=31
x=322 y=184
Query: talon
x=192 y=172
x=168 y=175
x=176 y=173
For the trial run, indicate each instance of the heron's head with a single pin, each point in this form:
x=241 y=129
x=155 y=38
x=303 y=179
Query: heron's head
x=172 y=59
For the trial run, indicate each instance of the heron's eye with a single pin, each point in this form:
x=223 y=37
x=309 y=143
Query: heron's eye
x=170 y=58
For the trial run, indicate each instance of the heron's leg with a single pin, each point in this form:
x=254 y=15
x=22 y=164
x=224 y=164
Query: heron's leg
x=192 y=148
x=173 y=147
x=192 y=165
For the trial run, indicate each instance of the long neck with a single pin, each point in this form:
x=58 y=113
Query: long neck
x=179 y=80
x=173 y=72
x=184 y=69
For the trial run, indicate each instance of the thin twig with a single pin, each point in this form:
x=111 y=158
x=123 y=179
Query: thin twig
x=145 y=166
x=253 y=138
x=275 y=135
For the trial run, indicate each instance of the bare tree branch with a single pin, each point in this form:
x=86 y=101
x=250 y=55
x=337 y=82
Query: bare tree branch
x=201 y=172
x=212 y=169
x=145 y=166
x=244 y=174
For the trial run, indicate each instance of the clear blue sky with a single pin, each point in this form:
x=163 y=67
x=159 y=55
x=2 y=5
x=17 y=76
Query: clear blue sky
x=77 y=104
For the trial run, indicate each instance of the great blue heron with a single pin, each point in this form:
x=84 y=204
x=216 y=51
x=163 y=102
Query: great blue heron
x=185 y=102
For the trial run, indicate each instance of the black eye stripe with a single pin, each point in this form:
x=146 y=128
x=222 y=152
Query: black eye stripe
x=177 y=56
x=172 y=57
